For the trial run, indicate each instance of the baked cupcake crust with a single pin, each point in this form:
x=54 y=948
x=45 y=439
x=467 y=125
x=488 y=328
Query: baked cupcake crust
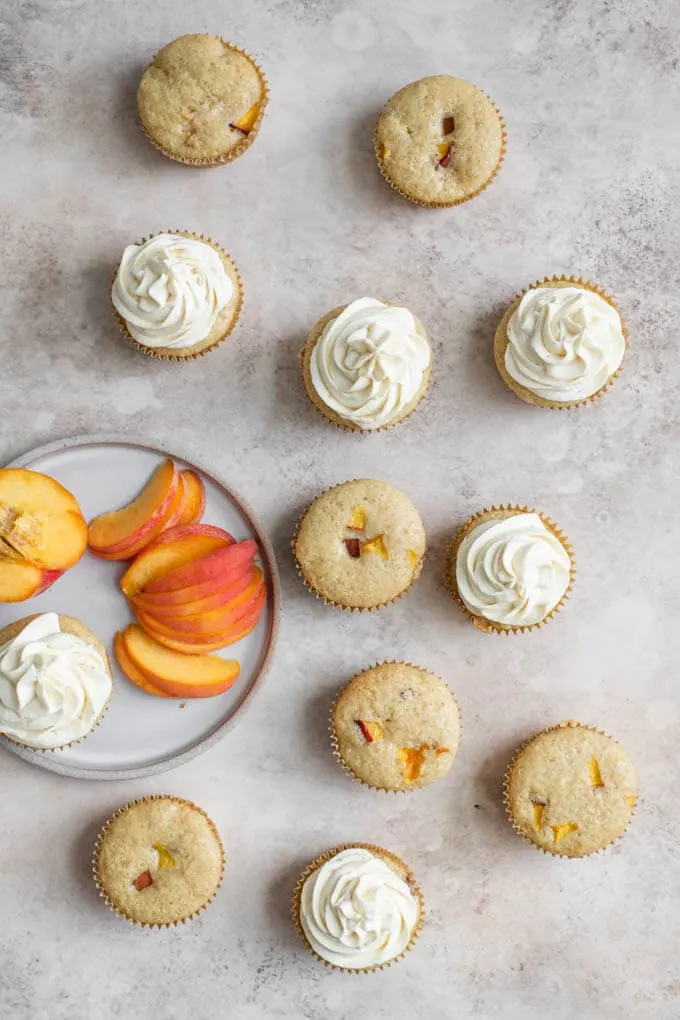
x=571 y=790
x=434 y=119
x=396 y=726
x=193 y=94
x=360 y=567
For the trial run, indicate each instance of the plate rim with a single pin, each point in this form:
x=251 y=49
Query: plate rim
x=49 y=761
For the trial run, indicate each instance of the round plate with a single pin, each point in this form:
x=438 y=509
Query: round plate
x=140 y=734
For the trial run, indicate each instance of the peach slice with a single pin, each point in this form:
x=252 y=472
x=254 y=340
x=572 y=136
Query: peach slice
x=130 y=551
x=194 y=593
x=246 y=123
x=168 y=556
x=40 y=521
x=245 y=625
x=199 y=607
x=212 y=623
x=143 y=518
x=185 y=676
x=193 y=502
x=219 y=566
x=133 y=674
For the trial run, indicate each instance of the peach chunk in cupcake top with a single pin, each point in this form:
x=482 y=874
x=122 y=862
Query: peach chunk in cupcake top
x=396 y=727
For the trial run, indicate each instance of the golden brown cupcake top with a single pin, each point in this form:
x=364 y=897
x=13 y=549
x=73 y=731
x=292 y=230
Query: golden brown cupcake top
x=200 y=98
x=360 y=544
x=571 y=790
x=159 y=860
x=396 y=727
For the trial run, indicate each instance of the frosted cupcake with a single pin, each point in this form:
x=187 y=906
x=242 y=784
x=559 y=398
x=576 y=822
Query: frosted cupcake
x=55 y=681
x=510 y=568
x=367 y=365
x=201 y=100
x=561 y=344
x=176 y=295
x=358 y=908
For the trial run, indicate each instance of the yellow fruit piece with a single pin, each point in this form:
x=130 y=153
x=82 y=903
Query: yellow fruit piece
x=413 y=557
x=357 y=521
x=596 y=779
x=376 y=545
x=412 y=759
x=371 y=730
x=630 y=801
x=165 y=858
x=441 y=750
x=560 y=832
x=382 y=149
x=247 y=121
x=443 y=149
x=537 y=810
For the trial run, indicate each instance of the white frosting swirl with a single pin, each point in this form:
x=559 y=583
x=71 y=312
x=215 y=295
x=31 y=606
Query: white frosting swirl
x=369 y=363
x=170 y=290
x=53 y=686
x=564 y=343
x=356 y=911
x=513 y=571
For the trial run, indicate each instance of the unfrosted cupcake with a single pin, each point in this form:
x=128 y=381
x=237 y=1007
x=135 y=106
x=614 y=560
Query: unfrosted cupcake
x=367 y=365
x=158 y=861
x=396 y=727
x=55 y=681
x=439 y=141
x=201 y=100
x=510 y=568
x=360 y=544
x=561 y=343
x=176 y=295
x=571 y=790
x=358 y=908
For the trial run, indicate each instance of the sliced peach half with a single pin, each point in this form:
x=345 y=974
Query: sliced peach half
x=217 y=566
x=193 y=502
x=141 y=520
x=131 y=672
x=40 y=521
x=218 y=599
x=184 y=676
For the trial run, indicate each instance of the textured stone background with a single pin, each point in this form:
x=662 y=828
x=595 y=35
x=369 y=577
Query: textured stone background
x=590 y=92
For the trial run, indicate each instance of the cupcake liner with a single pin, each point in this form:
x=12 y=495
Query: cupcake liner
x=247 y=140
x=335 y=748
x=165 y=353
x=457 y=201
x=488 y=626
x=328 y=415
x=501 y=342
x=379 y=852
x=331 y=602
x=567 y=723
x=79 y=740
x=97 y=849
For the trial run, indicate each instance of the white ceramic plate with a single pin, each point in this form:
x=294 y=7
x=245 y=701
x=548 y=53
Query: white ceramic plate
x=140 y=734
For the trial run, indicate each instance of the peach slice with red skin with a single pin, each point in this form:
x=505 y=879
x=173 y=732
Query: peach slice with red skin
x=246 y=123
x=133 y=674
x=40 y=520
x=130 y=551
x=184 y=531
x=194 y=593
x=244 y=627
x=135 y=525
x=164 y=556
x=193 y=500
x=199 y=607
x=184 y=676
x=212 y=623
x=220 y=565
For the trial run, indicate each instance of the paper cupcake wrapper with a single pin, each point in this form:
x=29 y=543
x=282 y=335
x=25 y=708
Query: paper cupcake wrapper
x=97 y=849
x=501 y=343
x=457 y=201
x=379 y=852
x=489 y=626
x=328 y=415
x=79 y=740
x=506 y=792
x=335 y=746
x=331 y=602
x=166 y=353
x=247 y=140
